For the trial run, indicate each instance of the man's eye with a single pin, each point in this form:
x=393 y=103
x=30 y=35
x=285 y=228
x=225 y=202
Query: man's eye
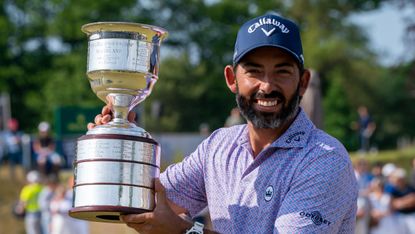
x=253 y=71
x=283 y=71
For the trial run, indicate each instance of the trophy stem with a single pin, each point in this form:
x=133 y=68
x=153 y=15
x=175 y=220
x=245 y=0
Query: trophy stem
x=120 y=105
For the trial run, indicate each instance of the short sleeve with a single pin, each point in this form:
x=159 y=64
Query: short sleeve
x=321 y=199
x=25 y=194
x=184 y=181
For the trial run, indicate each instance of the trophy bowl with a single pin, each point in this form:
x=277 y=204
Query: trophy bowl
x=116 y=163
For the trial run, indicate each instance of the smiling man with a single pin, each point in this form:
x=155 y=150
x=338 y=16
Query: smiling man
x=276 y=174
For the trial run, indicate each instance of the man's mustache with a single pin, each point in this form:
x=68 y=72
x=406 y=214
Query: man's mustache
x=273 y=94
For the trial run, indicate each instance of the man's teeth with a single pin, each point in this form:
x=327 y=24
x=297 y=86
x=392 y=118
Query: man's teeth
x=267 y=103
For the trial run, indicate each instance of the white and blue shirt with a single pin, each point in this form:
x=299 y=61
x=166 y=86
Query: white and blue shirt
x=302 y=183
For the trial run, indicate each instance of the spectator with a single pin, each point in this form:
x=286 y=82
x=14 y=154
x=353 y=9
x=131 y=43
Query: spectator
x=403 y=199
x=45 y=199
x=377 y=170
x=413 y=173
x=12 y=139
x=204 y=129
x=366 y=127
x=59 y=207
x=381 y=221
x=61 y=222
x=363 y=176
x=78 y=226
x=29 y=201
x=387 y=170
x=48 y=160
x=362 y=215
x=234 y=118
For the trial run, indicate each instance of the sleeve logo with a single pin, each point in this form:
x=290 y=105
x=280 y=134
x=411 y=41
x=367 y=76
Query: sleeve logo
x=316 y=217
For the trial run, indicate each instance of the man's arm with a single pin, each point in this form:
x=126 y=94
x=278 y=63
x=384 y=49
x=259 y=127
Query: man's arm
x=405 y=202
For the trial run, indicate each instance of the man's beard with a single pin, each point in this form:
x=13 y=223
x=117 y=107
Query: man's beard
x=265 y=119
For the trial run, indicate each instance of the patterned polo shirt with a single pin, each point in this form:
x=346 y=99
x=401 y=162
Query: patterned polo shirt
x=302 y=183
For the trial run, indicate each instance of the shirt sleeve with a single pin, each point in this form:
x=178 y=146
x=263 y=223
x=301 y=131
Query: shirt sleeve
x=25 y=194
x=321 y=199
x=184 y=181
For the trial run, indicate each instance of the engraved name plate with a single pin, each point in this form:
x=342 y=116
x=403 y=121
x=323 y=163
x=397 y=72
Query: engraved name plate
x=118 y=54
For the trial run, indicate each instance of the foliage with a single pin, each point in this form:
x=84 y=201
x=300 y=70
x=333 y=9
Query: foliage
x=43 y=60
x=395 y=95
x=339 y=113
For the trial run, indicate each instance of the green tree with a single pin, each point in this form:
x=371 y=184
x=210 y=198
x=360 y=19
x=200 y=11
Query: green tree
x=395 y=107
x=48 y=54
x=45 y=58
x=333 y=46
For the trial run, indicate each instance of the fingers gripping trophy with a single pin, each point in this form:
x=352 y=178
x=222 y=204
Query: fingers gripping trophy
x=116 y=163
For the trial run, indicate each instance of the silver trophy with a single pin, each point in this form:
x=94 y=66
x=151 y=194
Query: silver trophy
x=116 y=163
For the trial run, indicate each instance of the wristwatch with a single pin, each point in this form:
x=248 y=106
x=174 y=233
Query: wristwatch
x=196 y=229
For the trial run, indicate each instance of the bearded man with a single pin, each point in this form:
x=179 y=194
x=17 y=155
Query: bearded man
x=276 y=174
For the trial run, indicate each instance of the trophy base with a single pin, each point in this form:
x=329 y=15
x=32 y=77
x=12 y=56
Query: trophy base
x=114 y=175
x=109 y=214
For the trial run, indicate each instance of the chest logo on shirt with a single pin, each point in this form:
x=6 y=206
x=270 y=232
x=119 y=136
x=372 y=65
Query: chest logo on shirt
x=269 y=193
x=316 y=217
x=295 y=137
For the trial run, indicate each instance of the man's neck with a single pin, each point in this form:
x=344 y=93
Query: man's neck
x=260 y=138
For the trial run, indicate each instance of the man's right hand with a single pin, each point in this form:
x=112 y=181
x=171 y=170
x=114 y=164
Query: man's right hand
x=106 y=116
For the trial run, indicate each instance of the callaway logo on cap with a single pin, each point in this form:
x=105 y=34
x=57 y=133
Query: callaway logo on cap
x=269 y=30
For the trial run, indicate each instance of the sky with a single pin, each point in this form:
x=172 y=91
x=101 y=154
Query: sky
x=386 y=30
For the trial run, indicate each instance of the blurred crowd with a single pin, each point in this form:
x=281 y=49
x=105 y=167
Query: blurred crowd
x=45 y=199
x=386 y=202
x=44 y=203
x=42 y=155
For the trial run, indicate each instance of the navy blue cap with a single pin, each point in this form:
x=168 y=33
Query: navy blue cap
x=269 y=30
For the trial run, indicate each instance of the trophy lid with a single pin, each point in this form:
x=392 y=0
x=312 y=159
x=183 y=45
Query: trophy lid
x=143 y=29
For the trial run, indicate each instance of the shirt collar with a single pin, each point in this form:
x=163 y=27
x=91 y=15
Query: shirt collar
x=297 y=134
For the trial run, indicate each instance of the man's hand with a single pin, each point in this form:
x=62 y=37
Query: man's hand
x=106 y=116
x=163 y=220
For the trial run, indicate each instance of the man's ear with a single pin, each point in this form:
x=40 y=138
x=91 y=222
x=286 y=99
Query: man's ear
x=230 y=78
x=304 y=80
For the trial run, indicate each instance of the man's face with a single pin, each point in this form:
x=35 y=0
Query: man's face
x=268 y=87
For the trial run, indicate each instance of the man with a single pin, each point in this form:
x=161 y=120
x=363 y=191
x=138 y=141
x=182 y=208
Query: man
x=12 y=138
x=403 y=199
x=366 y=127
x=28 y=201
x=275 y=174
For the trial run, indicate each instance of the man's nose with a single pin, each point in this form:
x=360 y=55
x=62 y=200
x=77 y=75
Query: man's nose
x=266 y=85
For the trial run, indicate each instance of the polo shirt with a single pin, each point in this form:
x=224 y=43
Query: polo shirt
x=302 y=183
x=396 y=192
x=29 y=195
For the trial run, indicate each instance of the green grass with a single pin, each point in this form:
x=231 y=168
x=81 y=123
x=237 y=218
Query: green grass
x=402 y=158
x=9 y=194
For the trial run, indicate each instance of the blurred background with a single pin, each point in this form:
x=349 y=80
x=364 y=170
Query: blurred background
x=362 y=53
